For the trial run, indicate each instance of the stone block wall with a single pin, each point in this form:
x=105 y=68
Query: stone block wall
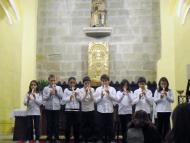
x=62 y=46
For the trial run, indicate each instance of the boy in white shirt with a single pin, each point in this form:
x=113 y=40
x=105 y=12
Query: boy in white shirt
x=143 y=97
x=104 y=97
x=52 y=95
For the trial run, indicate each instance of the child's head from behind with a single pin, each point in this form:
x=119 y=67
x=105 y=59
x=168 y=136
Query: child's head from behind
x=140 y=117
x=181 y=118
x=181 y=125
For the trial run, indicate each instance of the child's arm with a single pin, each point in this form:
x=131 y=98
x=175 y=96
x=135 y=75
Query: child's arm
x=119 y=96
x=92 y=93
x=38 y=99
x=26 y=100
x=148 y=97
x=82 y=95
x=136 y=97
x=66 y=96
x=170 y=96
x=157 y=98
x=46 y=94
x=98 y=95
x=77 y=94
x=112 y=94
x=131 y=97
x=59 y=93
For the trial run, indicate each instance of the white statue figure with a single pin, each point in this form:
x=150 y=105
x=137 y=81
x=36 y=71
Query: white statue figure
x=98 y=13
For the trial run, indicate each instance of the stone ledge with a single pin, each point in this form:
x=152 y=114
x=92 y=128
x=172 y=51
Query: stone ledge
x=97 y=31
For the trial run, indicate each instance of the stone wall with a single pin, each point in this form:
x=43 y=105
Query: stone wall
x=63 y=47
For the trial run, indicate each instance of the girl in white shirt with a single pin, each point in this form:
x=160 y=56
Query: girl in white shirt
x=125 y=96
x=163 y=98
x=33 y=100
x=72 y=108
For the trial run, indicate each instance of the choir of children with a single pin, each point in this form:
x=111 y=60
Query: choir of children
x=80 y=108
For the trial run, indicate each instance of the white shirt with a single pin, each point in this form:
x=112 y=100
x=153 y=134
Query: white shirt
x=105 y=104
x=87 y=100
x=33 y=105
x=71 y=105
x=52 y=102
x=163 y=104
x=145 y=102
x=125 y=103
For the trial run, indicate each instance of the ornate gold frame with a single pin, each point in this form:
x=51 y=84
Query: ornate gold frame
x=98 y=60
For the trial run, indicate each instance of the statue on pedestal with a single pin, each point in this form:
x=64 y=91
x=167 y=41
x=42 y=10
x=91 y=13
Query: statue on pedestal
x=98 y=13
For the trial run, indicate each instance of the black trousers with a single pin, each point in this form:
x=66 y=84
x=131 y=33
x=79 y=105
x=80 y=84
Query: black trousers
x=52 y=117
x=124 y=120
x=72 y=120
x=87 y=127
x=33 y=123
x=105 y=125
x=163 y=123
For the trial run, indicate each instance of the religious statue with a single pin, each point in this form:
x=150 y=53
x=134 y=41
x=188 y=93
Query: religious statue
x=98 y=13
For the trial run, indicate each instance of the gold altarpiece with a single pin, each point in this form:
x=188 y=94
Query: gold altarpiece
x=98 y=61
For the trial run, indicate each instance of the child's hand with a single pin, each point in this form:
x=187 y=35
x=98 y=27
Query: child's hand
x=31 y=97
x=76 y=94
x=28 y=97
x=125 y=92
x=72 y=97
x=141 y=95
x=104 y=93
x=52 y=91
x=163 y=93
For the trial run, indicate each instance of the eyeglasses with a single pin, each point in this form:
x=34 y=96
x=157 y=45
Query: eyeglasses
x=33 y=84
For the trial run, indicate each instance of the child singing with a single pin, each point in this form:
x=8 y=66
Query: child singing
x=33 y=100
x=72 y=108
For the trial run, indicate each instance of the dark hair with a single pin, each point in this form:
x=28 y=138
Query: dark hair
x=37 y=88
x=122 y=84
x=163 y=79
x=104 y=77
x=140 y=119
x=71 y=78
x=141 y=79
x=51 y=76
x=86 y=78
x=181 y=125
